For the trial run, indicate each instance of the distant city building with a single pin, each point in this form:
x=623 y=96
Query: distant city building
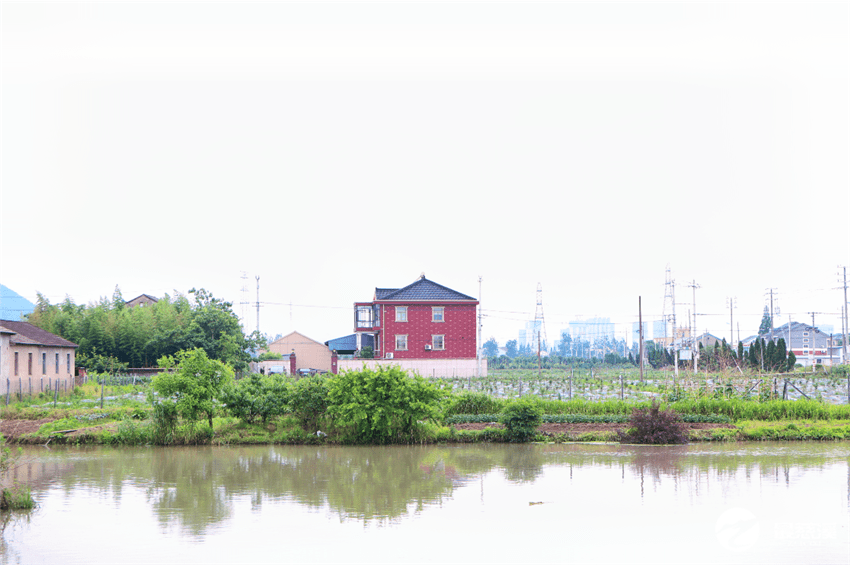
x=659 y=330
x=528 y=336
x=592 y=329
x=636 y=332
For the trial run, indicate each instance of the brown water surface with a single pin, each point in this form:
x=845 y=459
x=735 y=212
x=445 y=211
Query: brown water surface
x=700 y=503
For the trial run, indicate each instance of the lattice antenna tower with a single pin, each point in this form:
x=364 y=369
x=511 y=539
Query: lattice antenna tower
x=668 y=314
x=244 y=302
x=539 y=321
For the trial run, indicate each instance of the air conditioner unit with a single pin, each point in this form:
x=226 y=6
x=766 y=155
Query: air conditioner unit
x=428 y=347
x=388 y=356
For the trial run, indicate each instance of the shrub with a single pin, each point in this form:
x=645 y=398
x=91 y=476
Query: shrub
x=256 y=396
x=654 y=426
x=308 y=401
x=521 y=419
x=473 y=403
x=381 y=405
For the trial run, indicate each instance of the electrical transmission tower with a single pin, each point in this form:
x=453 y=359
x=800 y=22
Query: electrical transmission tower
x=244 y=301
x=539 y=322
x=772 y=297
x=668 y=314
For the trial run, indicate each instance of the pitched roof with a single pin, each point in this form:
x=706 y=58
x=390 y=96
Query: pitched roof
x=349 y=342
x=421 y=289
x=28 y=334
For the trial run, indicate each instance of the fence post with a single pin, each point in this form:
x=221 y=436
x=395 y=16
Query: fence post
x=621 y=387
x=55 y=393
x=571 y=383
x=8 y=387
x=101 y=391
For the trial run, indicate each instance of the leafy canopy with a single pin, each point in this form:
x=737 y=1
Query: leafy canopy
x=193 y=385
x=381 y=405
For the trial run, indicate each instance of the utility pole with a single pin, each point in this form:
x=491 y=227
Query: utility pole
x=640 y=334
x=258 y=304
x=770 y=291
x=844 y=320
x=480 y=345
x=730 y=301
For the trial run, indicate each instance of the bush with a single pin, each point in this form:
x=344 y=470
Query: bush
x=521 y=419
x=381 y=405
x=654 y=426
x=473 y=403
x=256 y=396
x=308 y=401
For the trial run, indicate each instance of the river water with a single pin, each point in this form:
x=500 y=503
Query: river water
x=573 y=503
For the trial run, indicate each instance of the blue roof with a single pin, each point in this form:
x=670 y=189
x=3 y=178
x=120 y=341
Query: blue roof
x=12 y=305
x=349 y=342
x=422 y=289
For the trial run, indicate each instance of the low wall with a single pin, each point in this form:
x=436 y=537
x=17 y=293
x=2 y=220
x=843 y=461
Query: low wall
x=434 y=368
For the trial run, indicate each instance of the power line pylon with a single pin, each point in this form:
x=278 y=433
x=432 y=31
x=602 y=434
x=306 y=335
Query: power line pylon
x=539 y=321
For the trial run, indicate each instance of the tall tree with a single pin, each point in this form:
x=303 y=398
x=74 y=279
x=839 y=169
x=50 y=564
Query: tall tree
x=765 y=325
x=491 y=347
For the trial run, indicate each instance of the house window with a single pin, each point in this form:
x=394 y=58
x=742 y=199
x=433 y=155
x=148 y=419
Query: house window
x=29 y=364
x=401 y=343
x=57 y=363
x=69 y=363
x=401 y=314
x=437 y=314
x=16 y=363
x=364 y=317
x=44 y=363
x=438 y=342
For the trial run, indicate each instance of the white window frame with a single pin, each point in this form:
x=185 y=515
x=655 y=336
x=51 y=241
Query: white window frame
x=401 y=339
x=401 y=313
x=441 y=310
x=442 y=339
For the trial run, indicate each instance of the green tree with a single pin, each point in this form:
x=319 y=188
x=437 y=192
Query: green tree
x=511 y=349
x=193 y=383
x=766 y=322
x=491 y=347
x=381 y=405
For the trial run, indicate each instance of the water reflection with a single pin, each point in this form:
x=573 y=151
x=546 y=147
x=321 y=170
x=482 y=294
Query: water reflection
x=201 y=493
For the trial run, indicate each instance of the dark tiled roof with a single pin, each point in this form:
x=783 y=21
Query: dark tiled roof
x=349 y=342
x=32 y=335
x=422 y=289
x=380 y=293
x=148 y=296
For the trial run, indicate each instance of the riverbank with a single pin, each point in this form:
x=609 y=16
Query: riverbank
x=229 y=431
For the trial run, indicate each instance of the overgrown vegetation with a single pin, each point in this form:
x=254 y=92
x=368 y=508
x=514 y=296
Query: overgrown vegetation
x=198 y=402
x=12 y=496
x=654 y=426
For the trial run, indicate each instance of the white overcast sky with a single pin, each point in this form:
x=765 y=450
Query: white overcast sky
x=332 y=147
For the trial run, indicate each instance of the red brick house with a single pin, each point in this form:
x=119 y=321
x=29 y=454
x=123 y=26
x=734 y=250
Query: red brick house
x=423 y=320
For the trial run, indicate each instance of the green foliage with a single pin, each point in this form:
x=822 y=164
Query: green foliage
x=491 y=347
x=308 y=401
x=473 y=403
x=521 y=418
x=366 y=353
x=269 y=356
x=256 y=396
x=112 y=336
x=654 y=426
x=194 y=385
x=381 y=405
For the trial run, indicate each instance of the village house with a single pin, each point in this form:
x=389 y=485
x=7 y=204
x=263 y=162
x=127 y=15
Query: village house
x=33 y=360
x=423 y=327
x=809 y=344
x=309 y=354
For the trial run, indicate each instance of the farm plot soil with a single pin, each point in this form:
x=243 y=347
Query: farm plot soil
x=578 y=429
